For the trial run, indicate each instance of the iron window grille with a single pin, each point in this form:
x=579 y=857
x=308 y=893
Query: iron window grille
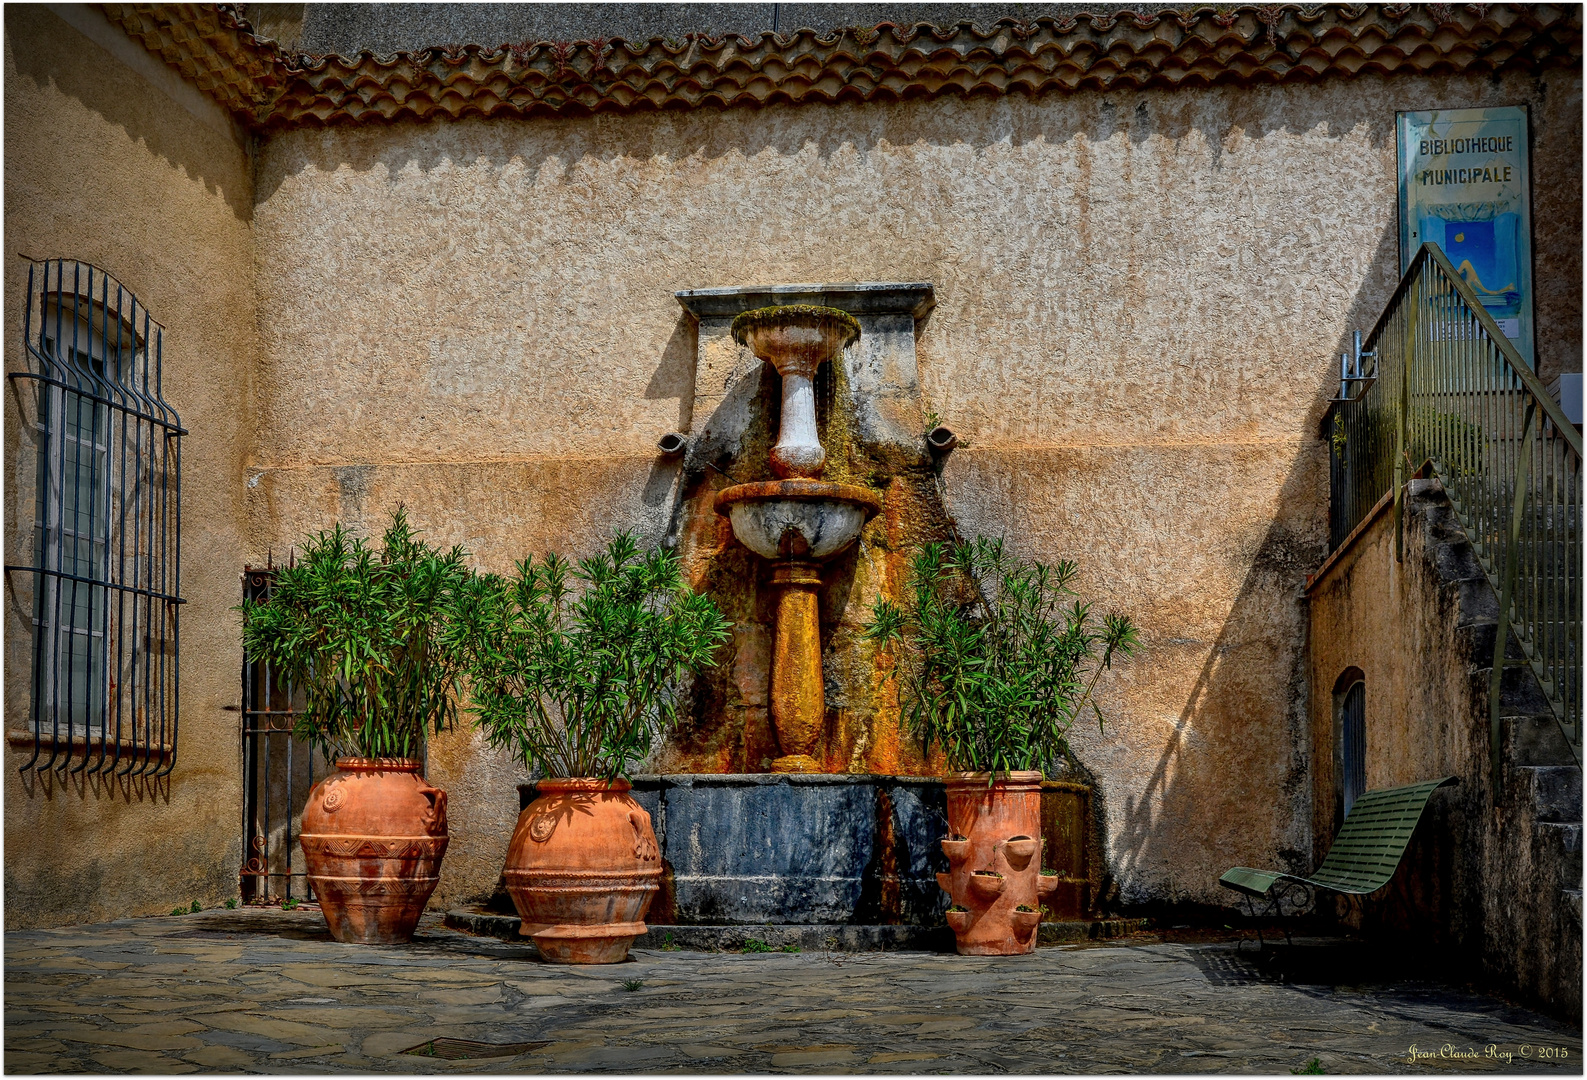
x=104 y=585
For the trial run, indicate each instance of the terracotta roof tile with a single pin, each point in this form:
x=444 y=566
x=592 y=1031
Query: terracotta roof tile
x=267 y=88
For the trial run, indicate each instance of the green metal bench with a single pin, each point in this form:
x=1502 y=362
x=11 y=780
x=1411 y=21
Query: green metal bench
x=1363 y=858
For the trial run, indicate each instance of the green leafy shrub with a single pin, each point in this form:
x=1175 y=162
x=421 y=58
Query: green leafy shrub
x=996 y=659
x=576 y=670
x=231 y=904
x=755 y=945
x=357 y=630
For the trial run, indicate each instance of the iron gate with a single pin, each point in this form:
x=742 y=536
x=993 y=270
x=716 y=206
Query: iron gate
x=278 y=771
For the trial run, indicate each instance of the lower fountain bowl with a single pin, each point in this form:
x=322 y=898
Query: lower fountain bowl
x=799 y=519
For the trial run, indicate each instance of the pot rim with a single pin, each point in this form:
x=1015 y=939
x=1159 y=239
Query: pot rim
x=1017 y=776
x=379 y=764
x=581 y=783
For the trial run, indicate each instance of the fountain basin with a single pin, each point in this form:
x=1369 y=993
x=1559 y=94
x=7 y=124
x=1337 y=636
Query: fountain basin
x=797 y=519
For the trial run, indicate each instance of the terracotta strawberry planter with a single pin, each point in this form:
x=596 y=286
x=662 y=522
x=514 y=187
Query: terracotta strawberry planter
x=994 y=858
x=581 y=869
x=373 y=836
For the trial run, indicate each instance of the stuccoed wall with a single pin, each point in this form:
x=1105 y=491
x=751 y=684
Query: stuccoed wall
x=111 y=159
x=1140 y=298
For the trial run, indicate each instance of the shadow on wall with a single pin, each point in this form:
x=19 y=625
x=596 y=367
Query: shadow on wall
x=1264 y=635
x=49 y=52
x=1232 y=780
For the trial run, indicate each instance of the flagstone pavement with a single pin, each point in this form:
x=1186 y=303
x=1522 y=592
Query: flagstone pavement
x=268 y=991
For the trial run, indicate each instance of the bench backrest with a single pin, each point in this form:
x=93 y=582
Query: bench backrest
x=1374 y=836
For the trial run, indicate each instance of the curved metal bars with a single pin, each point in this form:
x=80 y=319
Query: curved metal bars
x=104 y=583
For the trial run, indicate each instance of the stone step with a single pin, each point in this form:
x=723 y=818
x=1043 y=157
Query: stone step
x=830 y=937
x=1519 y=693
x=1556 y=849
x=1553 y=792
x=1535 y=740
x=1570 y=900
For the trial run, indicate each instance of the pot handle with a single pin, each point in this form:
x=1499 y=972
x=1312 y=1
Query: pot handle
x=435 y=815
x=644 y=837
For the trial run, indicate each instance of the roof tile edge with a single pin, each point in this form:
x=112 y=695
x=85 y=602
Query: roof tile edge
x=267 y=88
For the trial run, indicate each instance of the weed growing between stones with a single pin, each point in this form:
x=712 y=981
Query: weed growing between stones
x=667 y=945
x=1311 y=1068
x=289 y=904
x=755 y=945
x=231 y=905
x=633 y=984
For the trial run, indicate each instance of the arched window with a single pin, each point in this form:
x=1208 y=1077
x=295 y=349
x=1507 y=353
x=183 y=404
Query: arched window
x=1350 y=696
x=105 y=567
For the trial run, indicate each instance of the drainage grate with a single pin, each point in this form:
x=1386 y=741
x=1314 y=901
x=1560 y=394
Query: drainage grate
x=465 y=1049
x=1224 y=967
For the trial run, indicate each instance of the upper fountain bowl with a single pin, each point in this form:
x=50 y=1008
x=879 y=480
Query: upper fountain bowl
x=796 y=338
x=797 y=519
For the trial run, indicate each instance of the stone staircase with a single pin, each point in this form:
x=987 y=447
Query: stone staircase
x=1519 y=903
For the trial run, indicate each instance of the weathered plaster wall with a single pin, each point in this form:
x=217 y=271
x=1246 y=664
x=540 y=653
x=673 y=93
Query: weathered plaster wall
x=1139 y=301
x=1421 y=633
x=111 y=159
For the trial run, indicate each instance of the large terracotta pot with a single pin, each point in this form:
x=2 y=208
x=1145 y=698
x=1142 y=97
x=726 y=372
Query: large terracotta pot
x=581 y=869
x=373 y=836
x=994 y=856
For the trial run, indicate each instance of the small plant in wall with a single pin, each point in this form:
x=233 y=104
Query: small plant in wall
x=356 y=628
x=577 y=669
x=997 y=660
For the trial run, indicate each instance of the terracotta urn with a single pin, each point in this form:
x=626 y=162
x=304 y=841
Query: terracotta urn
x=373 y=836
x=994 y=859
x=582 y=868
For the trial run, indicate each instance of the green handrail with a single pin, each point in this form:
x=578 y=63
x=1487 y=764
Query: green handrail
x=1449 y=392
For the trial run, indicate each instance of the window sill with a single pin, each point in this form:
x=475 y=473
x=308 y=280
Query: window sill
x=22 y=742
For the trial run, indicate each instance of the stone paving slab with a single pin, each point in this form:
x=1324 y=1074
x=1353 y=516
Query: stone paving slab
x=268 y=991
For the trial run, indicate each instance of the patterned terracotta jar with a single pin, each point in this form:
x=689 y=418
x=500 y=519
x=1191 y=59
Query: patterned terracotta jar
x=373 y=836
x=582 y=868
x=994 y=858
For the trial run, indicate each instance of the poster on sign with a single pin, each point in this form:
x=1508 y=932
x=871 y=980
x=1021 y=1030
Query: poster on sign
x=1465 y=186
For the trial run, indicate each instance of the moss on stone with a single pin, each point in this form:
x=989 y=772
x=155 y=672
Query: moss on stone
x=794 y=314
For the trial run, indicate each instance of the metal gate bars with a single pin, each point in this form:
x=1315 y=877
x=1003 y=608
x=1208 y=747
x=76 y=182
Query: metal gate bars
x=278 y=771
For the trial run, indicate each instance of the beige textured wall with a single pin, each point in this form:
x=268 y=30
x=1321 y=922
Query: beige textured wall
x=1140 y=296
x=140 y=178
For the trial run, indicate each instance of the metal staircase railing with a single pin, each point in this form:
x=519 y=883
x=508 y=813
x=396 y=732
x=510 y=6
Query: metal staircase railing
x=1446 y=390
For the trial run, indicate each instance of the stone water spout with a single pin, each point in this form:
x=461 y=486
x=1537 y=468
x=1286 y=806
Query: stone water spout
x=799 y=520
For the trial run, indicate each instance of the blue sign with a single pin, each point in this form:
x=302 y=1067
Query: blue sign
x=1465 y=185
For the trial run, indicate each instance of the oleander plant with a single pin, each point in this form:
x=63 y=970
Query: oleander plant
x=997 y=657
x=357 y=628
x=577 y=669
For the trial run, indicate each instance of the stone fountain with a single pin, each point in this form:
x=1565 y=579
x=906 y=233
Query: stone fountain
x=798 y=520
x=792 y=808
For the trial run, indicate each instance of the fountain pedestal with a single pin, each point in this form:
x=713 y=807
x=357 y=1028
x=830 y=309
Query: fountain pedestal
x=798 y=520
x=798 y=693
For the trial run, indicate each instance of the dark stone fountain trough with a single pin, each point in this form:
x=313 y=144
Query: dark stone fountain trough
x=820 y=861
